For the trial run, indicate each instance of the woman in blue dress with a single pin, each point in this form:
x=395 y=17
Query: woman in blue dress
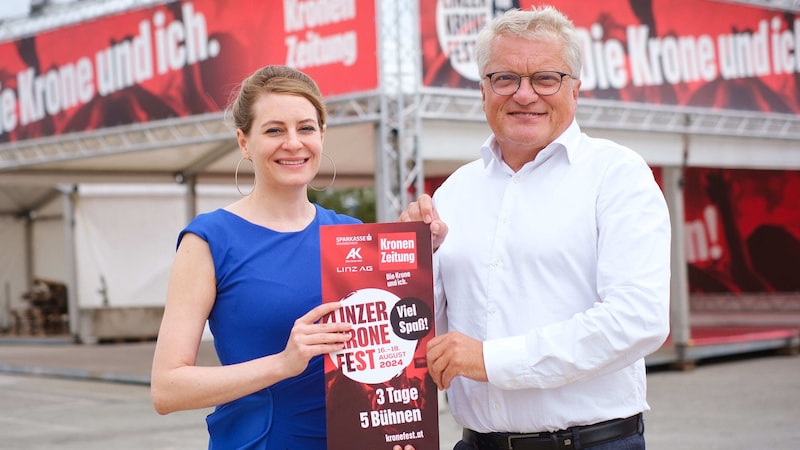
x=252 y=270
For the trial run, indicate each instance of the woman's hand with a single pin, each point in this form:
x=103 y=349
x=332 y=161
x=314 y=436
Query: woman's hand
x=311 y=336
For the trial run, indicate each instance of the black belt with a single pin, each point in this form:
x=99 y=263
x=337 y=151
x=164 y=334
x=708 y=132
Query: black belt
x=571 y=439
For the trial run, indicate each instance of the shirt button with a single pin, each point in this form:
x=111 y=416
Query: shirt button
x=495 y=406
x=492 y=309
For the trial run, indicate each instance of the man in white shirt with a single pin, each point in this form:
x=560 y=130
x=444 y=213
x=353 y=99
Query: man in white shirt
x=552 y=284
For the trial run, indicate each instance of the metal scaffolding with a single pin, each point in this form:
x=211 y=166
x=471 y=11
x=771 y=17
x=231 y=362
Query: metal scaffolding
x=398 y=175
x=397 y=109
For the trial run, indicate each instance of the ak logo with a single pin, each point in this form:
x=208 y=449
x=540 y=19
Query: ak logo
x=354 y=254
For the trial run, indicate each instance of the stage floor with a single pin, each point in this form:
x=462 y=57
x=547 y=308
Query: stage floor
x=717 y=341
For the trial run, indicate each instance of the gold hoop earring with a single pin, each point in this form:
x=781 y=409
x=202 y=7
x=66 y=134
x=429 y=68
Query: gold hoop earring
x=332 y=179
x=236 y=178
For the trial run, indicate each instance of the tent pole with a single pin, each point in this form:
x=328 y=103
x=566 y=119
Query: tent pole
x=680 y=332
x=191 y=198
x=70 y=199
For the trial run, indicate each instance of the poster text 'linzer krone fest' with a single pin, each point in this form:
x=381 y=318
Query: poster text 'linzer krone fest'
x=379 y=392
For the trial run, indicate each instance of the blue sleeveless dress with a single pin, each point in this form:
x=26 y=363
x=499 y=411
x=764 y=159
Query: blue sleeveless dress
x=265 y=281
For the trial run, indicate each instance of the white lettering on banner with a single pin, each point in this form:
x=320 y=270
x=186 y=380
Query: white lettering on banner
x=782 y=60
x=126 y=63
x=785 y=47
x=159 y=47
x=299 y=15
x=744 y=54
x=655 y=60
x=181 y=43
x=611 y=72
x=644 y=57
x=313 y=49
x=686 y=59
x=318 y=51
x=58 y=89
x=702 y=243
x=31 y=107
x=8 y=111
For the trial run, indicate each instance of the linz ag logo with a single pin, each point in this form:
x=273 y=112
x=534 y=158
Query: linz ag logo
x=353 y=256
x=353 y=269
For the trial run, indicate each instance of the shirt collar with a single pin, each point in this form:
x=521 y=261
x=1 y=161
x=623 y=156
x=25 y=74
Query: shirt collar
x=568 y=141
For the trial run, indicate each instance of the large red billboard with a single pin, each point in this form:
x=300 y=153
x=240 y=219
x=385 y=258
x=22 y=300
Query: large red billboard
x=742 y=230
x=699 y=53
x=177 y=59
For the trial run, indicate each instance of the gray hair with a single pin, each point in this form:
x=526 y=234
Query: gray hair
x=538 y=23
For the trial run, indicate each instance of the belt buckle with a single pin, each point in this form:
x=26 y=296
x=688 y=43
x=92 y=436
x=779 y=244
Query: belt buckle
x=566 y=442
x=521 y=436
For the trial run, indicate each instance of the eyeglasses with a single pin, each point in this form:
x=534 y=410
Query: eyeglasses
x=544 y=83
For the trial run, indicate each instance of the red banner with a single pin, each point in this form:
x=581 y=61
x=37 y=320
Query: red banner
x=177 y=59
x=700 y=53
x=742 y=230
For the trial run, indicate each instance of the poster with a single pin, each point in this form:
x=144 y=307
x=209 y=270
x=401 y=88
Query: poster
x=379 y=393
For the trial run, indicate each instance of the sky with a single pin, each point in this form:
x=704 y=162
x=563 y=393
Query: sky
x=17 y=8
x=21 y=8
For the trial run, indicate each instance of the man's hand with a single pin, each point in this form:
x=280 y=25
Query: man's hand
x=455 y=354
x=422 y=210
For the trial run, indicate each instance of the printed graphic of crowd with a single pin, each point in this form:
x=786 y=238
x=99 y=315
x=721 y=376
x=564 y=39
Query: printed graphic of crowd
x=745 y=236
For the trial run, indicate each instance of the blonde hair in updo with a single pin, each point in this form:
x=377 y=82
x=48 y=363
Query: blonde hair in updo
x=272 y=79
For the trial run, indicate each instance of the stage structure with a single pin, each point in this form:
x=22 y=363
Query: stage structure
x=708 y=85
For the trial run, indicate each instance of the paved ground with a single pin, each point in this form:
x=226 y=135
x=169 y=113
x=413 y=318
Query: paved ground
x=95 y=397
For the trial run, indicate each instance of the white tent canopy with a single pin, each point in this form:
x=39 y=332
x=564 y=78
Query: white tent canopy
x=401 y=135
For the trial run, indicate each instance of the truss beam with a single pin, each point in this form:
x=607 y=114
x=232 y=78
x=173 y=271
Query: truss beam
x=398 y=175
x=176 y=132
x=592 y=113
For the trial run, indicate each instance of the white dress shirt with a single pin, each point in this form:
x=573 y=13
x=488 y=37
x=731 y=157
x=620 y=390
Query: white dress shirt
x=562 y=270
